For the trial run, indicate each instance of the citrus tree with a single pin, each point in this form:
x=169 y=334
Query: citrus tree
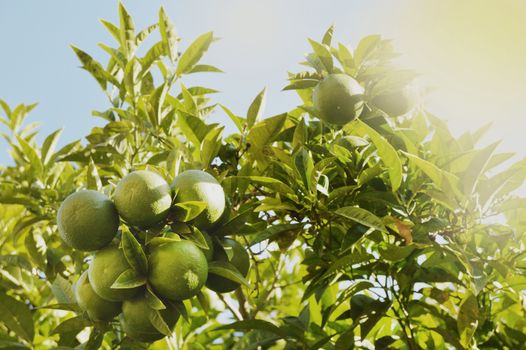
x=354 y=220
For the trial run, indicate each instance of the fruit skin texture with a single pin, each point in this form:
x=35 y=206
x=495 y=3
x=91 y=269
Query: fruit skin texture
x=177 y=270
x=197 y=185
x=87 y=220
x=143 y=198
x=338 y=98
x=136 y=323
x=240 y=260
x=396 y=103
x=105 y=268
x=97 y=308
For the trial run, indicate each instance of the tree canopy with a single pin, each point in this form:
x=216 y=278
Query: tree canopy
x=384 y=232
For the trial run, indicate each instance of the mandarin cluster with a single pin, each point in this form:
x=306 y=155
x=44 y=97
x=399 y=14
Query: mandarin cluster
x=175 y=267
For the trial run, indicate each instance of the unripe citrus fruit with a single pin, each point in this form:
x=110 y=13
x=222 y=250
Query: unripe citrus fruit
x=97 y=308
x=398 y=102
x=106 y=266
x=135 y=319
x=197 y=185
x=87 y=220
x=143 y=198
x=177 y=270
x=338 y=98
x=239 y=259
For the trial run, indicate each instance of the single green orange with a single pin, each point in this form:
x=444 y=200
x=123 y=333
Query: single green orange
x=338 y=98
x=87 y=220
x=177 y=270
x=107 y=265
x=197 y=185
x=234 y=253
x=143 y=198
x=135 y=319
x=98 y=309
x=398 y=102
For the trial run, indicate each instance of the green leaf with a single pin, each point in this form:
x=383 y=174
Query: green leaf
x=324 y=54
x=72 y=325
x=94 y=68
x=145 y=33
x=59 y=306
x=346 y=58
x=194 y=128
x=32 y=156
x=194 y=53
x=133 y=252
x=368 y=174
x=126 y=32
x=63 y=290
x=304 y=166
x=204 y=302
x=238 y=121
x=476 y=166
x=301 y=84
x=37 y=248
x=187 y=211
x=467 y=319
x=269 y=182
x=129 y=279
x=327 y=37
x=202 y=68
x=113 y=29
x=263 y=132
x=228 y=271
x=168 y=34
x=131 y=76
x=442 y=179
x=16 y=260
x=95 y=339
x=387 y=153
x=394 y=252
x=365 y=47
x=152 y=55
x=17 y=317
x=254 y=324
x=153 y=300
x=115 y=54
x=23 y=224
x=234 y=224
x=181 y=308
x=198 y=238
x=93 y=180
x=255 y=111
x=300 y=134
x=362 y=216
x=274 y=231
x=210 y=145
x=158 y=322
x=65 y=151
x=48 y=147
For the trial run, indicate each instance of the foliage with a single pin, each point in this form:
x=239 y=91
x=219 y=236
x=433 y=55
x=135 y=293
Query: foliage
x=382 y=233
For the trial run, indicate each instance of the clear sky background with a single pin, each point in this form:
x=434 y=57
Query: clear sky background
x=473 y=52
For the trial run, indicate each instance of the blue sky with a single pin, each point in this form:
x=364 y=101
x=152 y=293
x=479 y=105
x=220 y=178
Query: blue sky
x=473 y=53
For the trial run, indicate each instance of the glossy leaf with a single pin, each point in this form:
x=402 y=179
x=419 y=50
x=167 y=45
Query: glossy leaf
x=134 y=253
x=129 y=279
x=194 y=53
x=17 y=317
